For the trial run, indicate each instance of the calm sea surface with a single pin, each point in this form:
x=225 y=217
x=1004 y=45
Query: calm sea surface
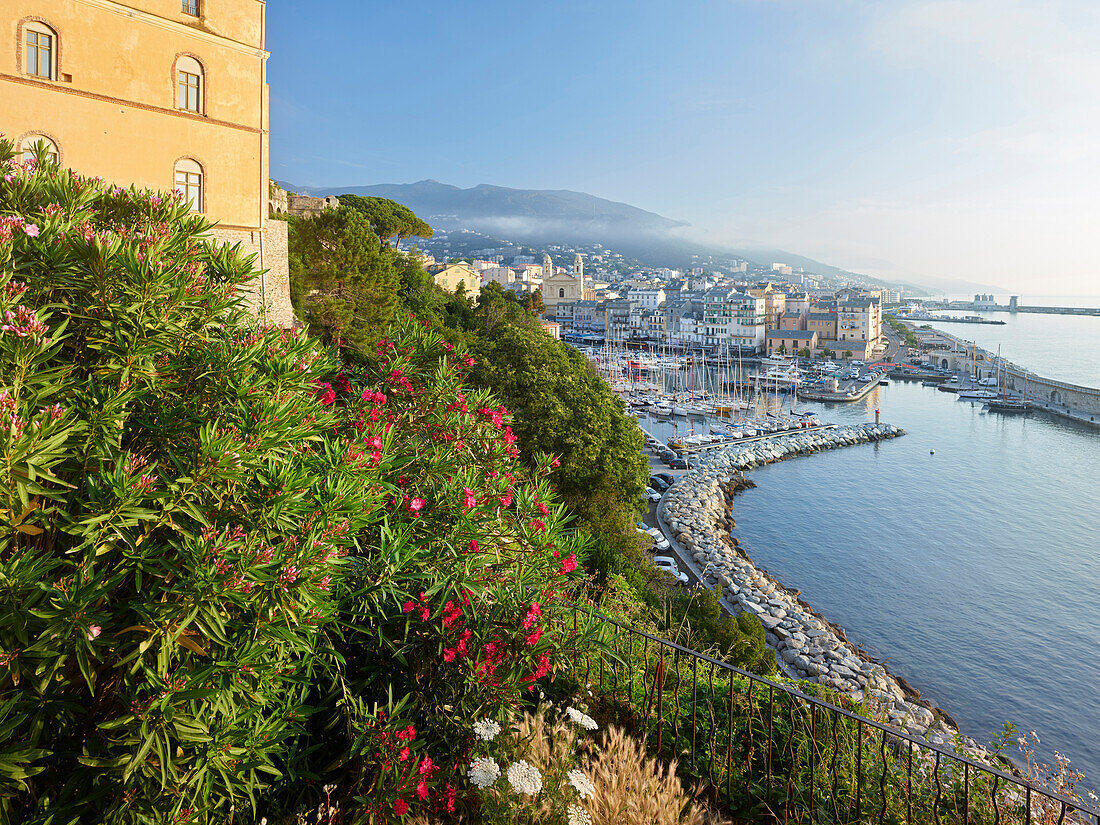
x=974 y=572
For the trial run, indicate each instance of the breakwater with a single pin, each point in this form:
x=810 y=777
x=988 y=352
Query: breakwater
x=697 y=511
x=1072 y=401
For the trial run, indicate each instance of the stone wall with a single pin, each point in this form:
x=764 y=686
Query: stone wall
x=269 y=291
x=277 y=203
x=303 y=206
x=1022 y=382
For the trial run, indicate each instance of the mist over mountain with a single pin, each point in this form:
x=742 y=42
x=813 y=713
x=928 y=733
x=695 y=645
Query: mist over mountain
x=561 y=216
x=528 y=215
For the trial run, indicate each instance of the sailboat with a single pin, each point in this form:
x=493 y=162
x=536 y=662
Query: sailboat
x=1004 y=404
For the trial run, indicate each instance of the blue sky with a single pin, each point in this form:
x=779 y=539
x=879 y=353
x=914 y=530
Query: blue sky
x=907 y=138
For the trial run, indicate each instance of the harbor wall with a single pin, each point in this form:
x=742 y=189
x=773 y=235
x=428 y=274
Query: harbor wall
x=1079 y=402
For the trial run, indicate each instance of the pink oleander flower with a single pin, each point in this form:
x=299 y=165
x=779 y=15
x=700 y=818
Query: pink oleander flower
x=288 y=576
x=94 y=631
x=532 y=638
x=31 y=229
x=537 y=526
x=416 y=505
x=400 y=807
x=329 y=394
x=474 y=545
x=469 y=500
x=506 y=500
x=532 y=616
x=568 y=565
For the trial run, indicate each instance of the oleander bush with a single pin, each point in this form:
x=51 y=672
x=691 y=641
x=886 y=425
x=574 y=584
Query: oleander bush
x=240 y=577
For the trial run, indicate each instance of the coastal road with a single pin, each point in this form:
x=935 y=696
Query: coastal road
x=655 y=466
x=893 y=345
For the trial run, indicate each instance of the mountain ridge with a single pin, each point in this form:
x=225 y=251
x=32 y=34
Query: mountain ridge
x=565 y=216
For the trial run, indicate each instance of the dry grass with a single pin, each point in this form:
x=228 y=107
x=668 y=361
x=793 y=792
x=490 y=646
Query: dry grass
x=632 y=789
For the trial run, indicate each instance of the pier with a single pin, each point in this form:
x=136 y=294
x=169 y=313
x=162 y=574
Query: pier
x=809 y=394
x=1071 y=401
x=1012 y=306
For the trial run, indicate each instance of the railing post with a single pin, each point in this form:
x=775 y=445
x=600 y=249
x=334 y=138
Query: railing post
x=657 y=682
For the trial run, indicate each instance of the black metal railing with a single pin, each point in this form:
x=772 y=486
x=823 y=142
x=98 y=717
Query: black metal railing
x=767 y=750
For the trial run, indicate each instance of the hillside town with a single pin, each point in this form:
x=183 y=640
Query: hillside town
x=772 y=311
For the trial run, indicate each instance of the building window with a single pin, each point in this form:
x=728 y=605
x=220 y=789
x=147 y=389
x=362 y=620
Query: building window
x=189 y=89
x=191 y=7
x=32 y=142
x=41 y=51
x=561 y=292
x=189 y=183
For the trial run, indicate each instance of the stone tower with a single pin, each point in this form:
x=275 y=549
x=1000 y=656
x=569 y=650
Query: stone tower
x=547 y=267
x=578 y=269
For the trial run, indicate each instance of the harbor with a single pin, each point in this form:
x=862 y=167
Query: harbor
x=1011 y=386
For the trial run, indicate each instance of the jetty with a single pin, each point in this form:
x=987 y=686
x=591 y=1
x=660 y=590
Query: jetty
x=857 y=393
x=1073 y=402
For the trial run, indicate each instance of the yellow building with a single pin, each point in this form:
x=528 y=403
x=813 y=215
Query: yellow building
x=164 y=94
x=775 y=303
x=449 y=276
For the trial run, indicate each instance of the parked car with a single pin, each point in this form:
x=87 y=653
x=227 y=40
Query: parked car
x=661 y=545
x=668 y=478
x=677 y=464
x=669 y=565
x=652 y=495
x=658 y=483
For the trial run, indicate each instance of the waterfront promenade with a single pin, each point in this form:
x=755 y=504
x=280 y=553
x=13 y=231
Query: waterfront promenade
x=1071 y=401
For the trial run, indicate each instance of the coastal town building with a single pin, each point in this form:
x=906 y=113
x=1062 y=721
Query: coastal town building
x=649 y=294
x=733 y=319
x=188 y=110
x=792 y=321
x=561 y=287
x=451 y=276
x=822 y=320
x=775 y=302
x=790 y=342
x=859 y=319
x=502 y=275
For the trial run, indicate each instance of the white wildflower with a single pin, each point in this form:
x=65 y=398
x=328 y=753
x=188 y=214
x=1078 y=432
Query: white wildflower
x=483 y=772
x=582 y=783
x=486 y=729
x=578 y=718
x=524 y=777
x=576 y=815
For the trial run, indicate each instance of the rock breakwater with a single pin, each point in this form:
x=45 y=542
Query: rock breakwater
x=697 y=510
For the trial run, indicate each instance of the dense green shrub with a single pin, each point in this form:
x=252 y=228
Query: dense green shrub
x=695 y=619
x=231 y=571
